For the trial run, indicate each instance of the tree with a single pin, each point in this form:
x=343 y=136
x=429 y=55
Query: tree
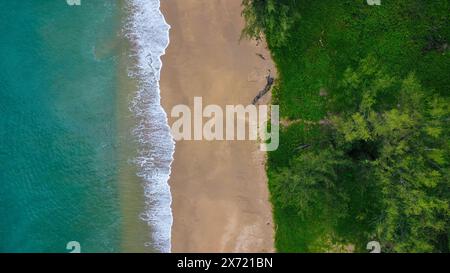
x=309 y=184
x=272 y=17
x=409 y=150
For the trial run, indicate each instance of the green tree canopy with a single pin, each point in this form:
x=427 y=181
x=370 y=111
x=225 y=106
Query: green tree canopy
x=272 y=17
x=408 y=142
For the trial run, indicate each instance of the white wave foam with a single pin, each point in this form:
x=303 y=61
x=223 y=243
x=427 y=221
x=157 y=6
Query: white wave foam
x=149 y=34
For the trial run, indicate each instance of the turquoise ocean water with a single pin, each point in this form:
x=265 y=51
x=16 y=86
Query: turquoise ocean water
x=60 y=159
x=58 y=135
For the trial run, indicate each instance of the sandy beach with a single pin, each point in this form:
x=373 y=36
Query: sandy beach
x=219 y=188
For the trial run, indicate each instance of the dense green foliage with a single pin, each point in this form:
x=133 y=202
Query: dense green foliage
x=364 y=150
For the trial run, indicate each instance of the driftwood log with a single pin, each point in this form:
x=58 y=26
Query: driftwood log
x=270 y=81
x=261 y=56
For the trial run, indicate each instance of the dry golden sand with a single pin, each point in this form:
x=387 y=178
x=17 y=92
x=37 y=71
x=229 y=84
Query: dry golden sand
x=219 y=188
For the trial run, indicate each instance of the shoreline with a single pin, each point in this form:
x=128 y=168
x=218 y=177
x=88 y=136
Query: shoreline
x=135 y=231
x=146 y=143
x=220 y=197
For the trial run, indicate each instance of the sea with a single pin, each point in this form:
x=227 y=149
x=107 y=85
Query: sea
x=84 y=158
